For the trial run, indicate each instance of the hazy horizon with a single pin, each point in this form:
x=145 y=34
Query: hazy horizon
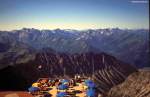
x=78 y=29
x=74 y=14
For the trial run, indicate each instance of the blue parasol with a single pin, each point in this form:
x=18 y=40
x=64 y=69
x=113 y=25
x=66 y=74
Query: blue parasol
x=65 y=81
x=62 y=87
x=88 y=81
x=61 y=94
x=33 y=89
x=90 y=93
x=91 y=85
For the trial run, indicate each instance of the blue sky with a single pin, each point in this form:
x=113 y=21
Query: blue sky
x=73 y=14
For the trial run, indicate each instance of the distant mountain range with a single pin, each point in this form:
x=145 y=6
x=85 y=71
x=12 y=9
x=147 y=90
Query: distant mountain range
x=21 y=46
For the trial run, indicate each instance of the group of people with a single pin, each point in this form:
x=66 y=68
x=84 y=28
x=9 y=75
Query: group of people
x=46 y=84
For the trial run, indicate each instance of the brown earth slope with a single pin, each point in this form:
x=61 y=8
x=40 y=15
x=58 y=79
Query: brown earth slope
x=136 y=85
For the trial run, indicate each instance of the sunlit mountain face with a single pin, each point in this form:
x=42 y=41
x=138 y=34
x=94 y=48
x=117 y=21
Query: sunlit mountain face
x=130 y=46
